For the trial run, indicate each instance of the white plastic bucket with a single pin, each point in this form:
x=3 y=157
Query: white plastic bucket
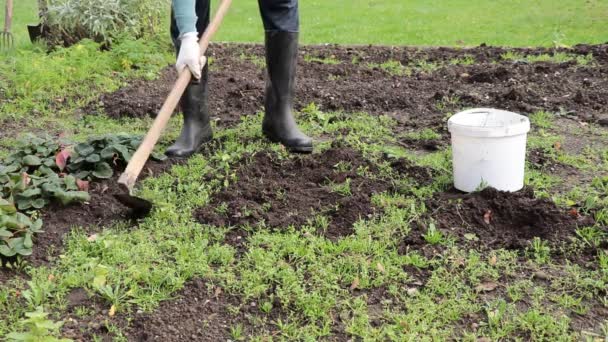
x=488 y=149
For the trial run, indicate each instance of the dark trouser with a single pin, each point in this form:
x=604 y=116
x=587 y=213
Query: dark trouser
x=277 y=15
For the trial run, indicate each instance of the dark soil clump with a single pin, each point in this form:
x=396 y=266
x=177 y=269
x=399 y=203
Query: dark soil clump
x=422 y=175
x=139 y=99
x=292 y=192
x=498 y=219
x=199 y=313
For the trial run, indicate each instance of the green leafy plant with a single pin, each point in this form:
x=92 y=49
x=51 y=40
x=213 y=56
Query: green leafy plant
x=433 y=235
x=32 y=175
x=98 y=156
x=16 y=230
x=37 y=327
x=70 y=21
x=540 y=250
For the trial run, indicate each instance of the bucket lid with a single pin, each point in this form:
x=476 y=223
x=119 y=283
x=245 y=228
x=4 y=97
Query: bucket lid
x=488 y=122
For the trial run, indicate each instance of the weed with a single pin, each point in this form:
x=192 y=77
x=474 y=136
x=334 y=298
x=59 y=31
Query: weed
x=392 y=67
x=343 y=188
x=236 y=332
x=433 y=235
x=424 y=134
x=557 y=57
x=466 y=60
x=258 y=61
x=323 y=60
x=540 y=250
x=592 y=236
x=37 y=328
x=542 y=119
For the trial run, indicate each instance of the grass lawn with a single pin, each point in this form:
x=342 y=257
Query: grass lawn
x=379 y=246
x=425 y=23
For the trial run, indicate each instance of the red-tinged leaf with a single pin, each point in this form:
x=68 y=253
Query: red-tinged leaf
x=82 y=185
x=574 y=212
x=355 y=284
x=487 y=217
x=61 y=159
x=25 y=179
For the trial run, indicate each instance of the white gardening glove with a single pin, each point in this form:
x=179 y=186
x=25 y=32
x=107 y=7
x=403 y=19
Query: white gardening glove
x=190 y=55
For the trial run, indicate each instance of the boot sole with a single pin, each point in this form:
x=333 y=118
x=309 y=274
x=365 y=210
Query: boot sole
x=294 y=149
x=185 y=156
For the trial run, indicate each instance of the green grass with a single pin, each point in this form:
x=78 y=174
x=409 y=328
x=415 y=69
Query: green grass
x=459 y=22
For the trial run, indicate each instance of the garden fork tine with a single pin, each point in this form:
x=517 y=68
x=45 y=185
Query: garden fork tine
x=7 y=41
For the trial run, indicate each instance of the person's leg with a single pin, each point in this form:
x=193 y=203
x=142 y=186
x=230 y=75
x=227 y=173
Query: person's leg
x=281 y=23
x=197 y=128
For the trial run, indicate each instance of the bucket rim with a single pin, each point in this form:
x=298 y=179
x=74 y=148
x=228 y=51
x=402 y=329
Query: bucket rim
x=516 y=125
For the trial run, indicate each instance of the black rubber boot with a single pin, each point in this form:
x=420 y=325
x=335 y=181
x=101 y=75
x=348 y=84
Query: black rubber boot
x=197 y=128
x=279 y=124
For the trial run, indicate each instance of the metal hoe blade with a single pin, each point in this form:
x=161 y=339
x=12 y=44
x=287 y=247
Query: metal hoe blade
x=139 y=206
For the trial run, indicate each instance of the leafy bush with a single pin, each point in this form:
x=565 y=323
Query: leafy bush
x=69 y=21
x=97 y=157
x=32 y=177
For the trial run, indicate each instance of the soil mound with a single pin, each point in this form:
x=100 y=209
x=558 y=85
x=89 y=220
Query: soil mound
x=503 y=219
x=284 y=193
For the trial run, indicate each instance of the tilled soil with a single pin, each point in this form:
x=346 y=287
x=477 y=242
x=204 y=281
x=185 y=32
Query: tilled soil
x=421 y=99
x=492 y=219
x=200 y=312
x=290 y=193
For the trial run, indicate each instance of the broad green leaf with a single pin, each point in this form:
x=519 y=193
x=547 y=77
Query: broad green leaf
x=70 y=182
x=11 y=222
x=82 y=174
x=7 y=207
x=24 y=203
x=108 y=153
x=103 y=171
x=24 y=220
x=39 y=203
x=27 y=241
x=31 y=160
x=30 y=192
x=12 y=168
x=84 y=149
x=25 y=251
x=5 y=233
x=45 y=171
x=6 y=250
x=93 y=158
x=67 y=197
x=50 y=188
x=36 y=227
x=158 y=156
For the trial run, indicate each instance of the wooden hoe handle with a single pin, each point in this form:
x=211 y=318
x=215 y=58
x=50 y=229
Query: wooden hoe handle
x=129 y=176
